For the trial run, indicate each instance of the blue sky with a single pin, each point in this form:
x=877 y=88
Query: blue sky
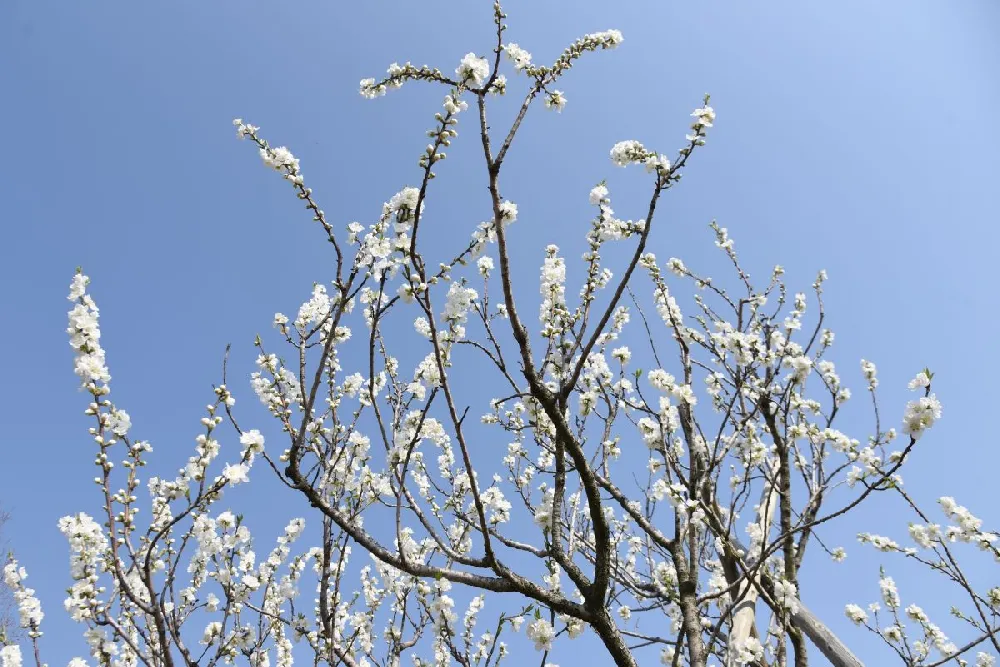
x=852 y=136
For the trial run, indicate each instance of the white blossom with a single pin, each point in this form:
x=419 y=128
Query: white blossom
x=541 y=632
x=472 y=69
x=856 y=614
x=10 y=656
x=517 y=55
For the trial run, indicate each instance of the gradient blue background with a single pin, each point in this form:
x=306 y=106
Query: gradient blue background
x=853 y=136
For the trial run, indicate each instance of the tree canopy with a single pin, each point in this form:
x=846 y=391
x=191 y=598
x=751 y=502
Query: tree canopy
x=659 y=451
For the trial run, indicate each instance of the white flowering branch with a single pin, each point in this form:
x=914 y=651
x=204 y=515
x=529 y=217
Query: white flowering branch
x=616 y=506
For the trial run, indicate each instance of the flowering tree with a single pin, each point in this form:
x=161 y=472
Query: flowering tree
x=8 y=609
x=665 y=513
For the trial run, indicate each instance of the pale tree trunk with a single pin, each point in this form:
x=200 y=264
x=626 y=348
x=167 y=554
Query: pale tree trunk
x=822 y=638
x=744 y=620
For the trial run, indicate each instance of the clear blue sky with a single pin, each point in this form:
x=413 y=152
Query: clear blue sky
x=854 y=136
